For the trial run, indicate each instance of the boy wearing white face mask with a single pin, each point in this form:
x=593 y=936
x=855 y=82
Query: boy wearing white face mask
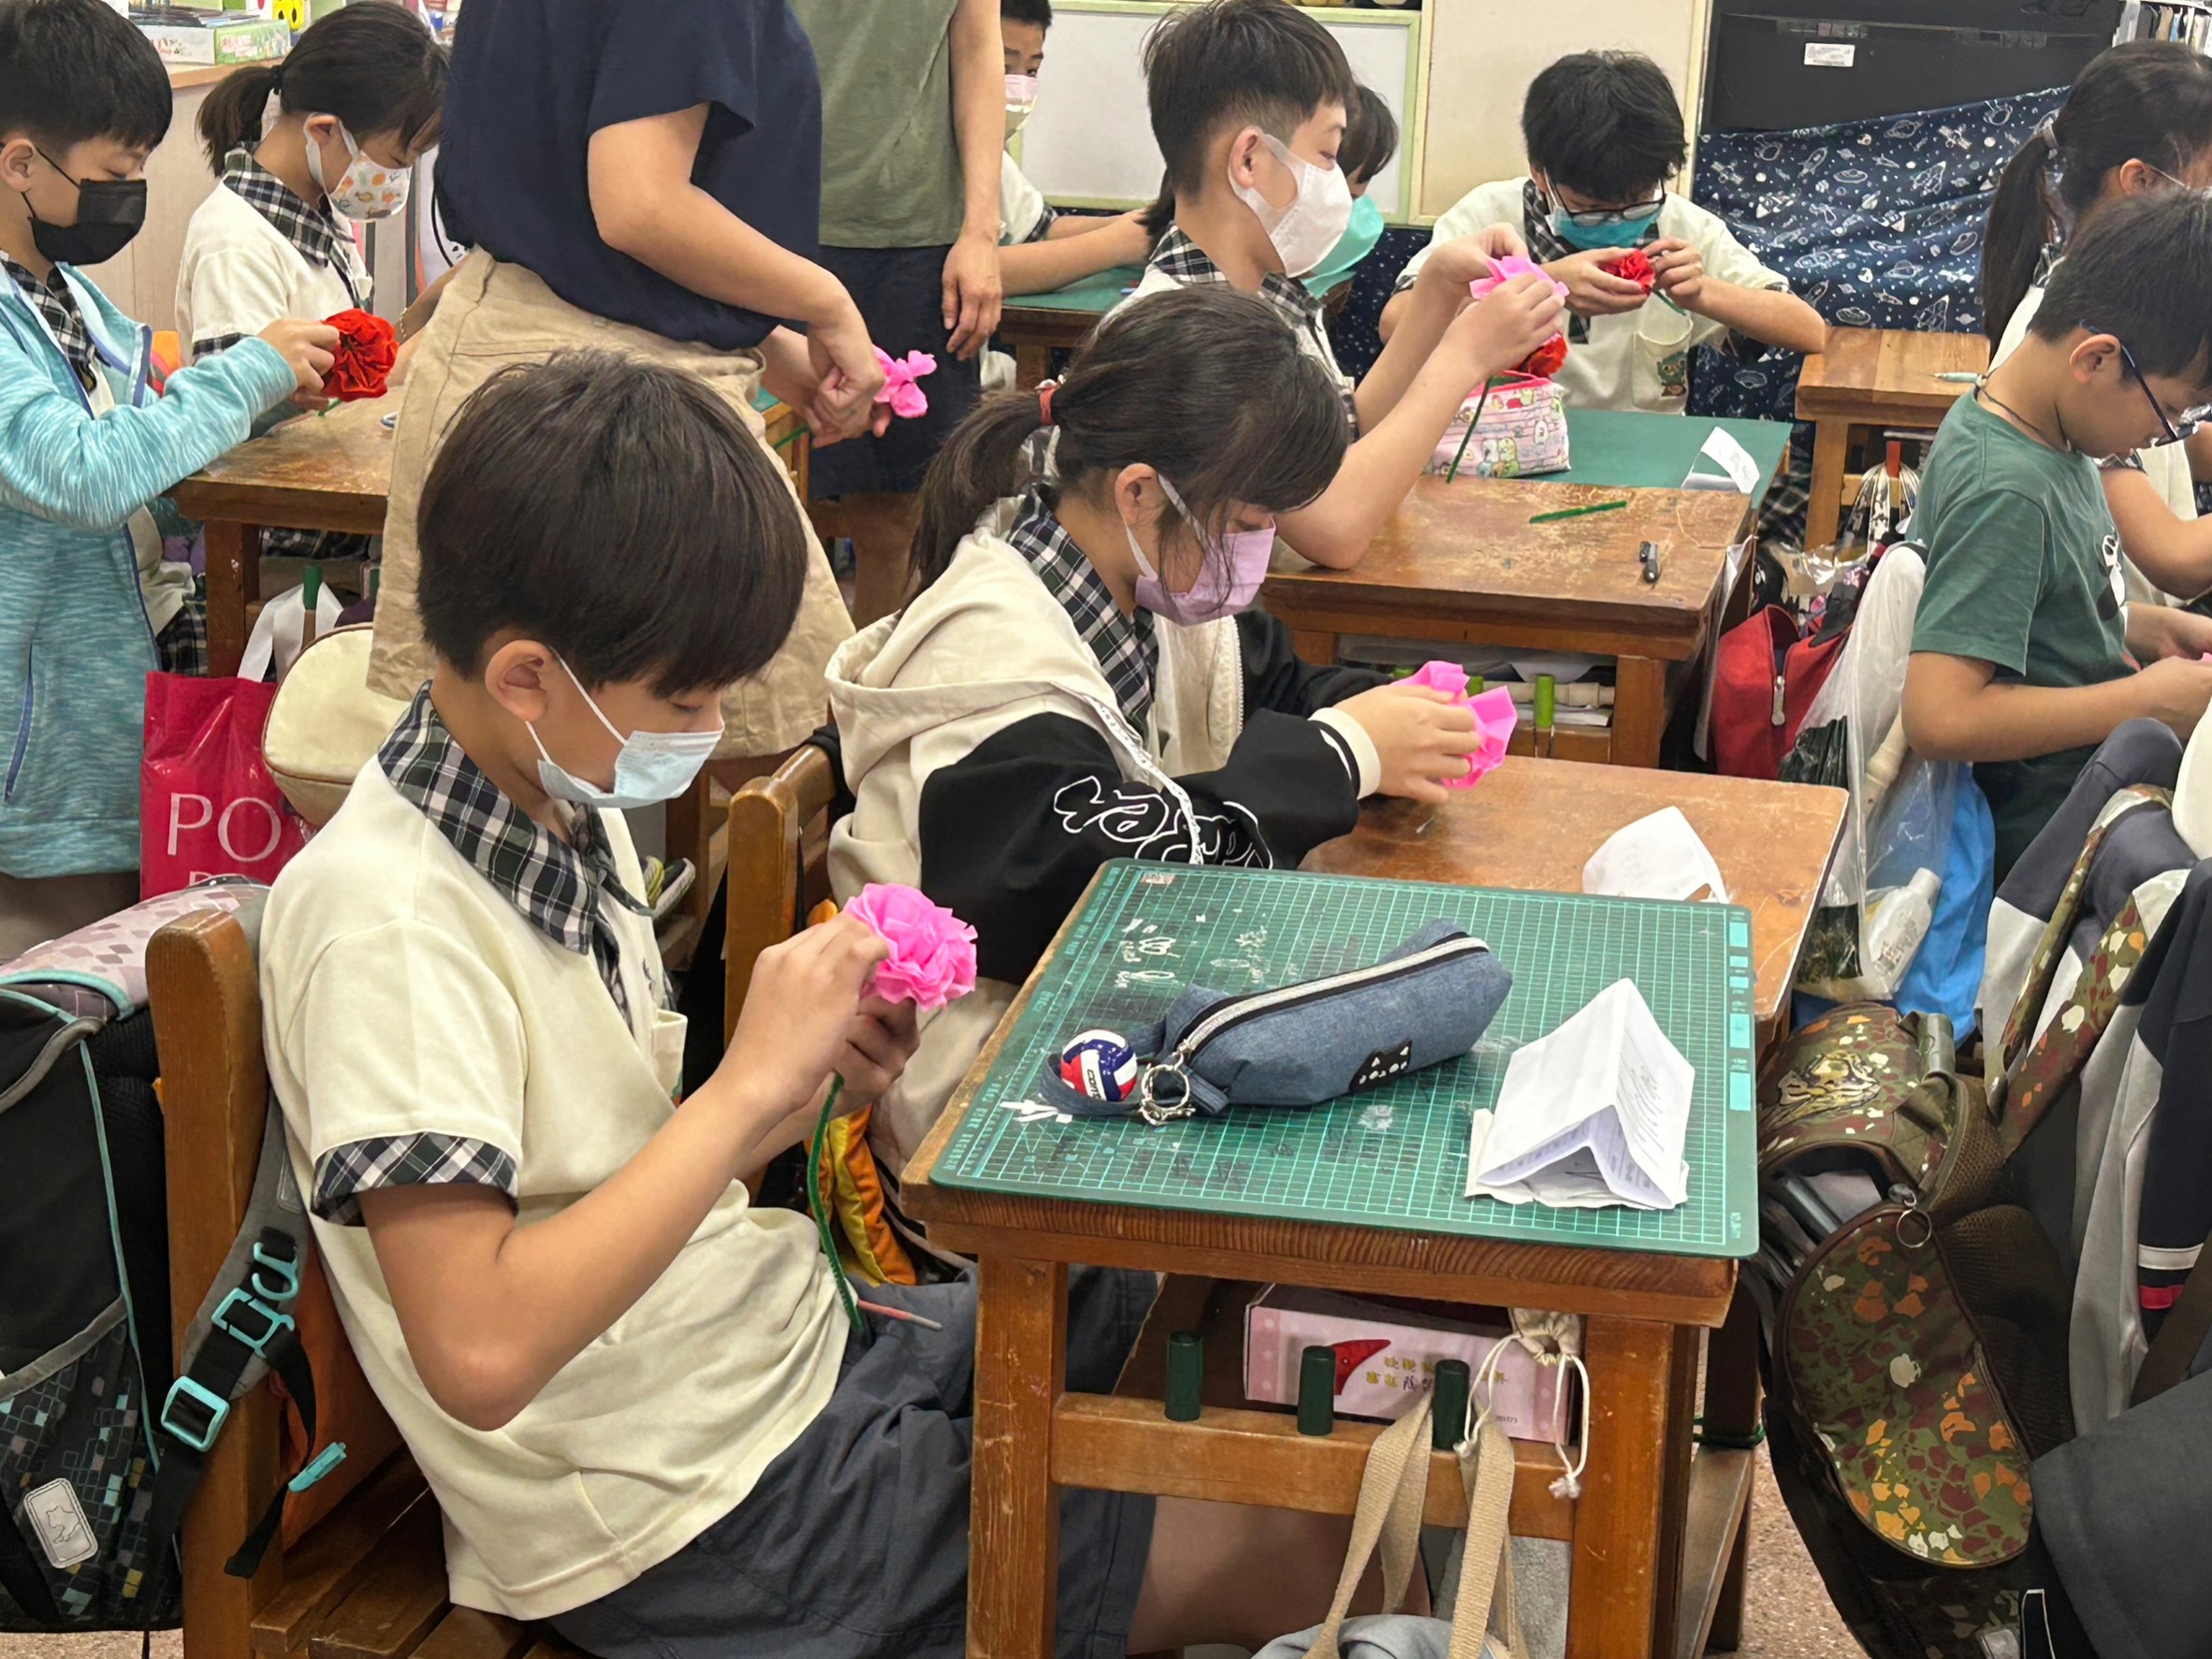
x=306 y=150
x=1081 y=675
x=1604 y=134
x=1249 y=101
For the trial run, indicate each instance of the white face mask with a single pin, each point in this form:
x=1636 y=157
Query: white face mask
x=1021 y=97
x=1305 y=232
x=367 y=189
x=651 y=766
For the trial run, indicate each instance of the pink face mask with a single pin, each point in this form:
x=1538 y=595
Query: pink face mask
x=1227 y=582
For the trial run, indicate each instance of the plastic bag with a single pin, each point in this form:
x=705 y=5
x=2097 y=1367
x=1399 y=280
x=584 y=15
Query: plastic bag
x=207 y=804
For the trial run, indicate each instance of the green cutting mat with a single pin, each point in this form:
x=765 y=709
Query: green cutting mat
x=1396 y=1156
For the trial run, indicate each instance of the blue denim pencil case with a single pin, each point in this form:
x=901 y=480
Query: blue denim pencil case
x=1428 y=1001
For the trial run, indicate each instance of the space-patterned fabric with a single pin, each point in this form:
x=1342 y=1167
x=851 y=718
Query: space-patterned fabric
x=1877 y=222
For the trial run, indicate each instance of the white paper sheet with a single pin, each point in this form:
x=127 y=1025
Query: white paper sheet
x=1594 y=1113
x=1658 y=856
x=1739 y=471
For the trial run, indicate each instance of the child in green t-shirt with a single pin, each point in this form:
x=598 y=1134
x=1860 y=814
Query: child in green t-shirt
x=2026 y=653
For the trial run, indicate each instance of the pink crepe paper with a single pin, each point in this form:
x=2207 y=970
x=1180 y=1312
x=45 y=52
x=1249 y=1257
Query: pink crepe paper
x=1495 y=717
x=932 y=959
x=1503 y=269
x=906 y=399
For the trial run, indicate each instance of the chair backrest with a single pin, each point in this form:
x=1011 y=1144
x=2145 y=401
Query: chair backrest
x=779 y=855
x=204 y=988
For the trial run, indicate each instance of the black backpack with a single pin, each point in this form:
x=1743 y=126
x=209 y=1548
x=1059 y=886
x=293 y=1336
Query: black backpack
x=100 y=1445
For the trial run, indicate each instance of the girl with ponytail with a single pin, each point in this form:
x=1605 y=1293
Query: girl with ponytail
x=303 y=148
x=2138 y=120
x=1080 y=675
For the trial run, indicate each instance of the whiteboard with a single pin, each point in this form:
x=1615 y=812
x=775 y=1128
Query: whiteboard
x=1090 y=141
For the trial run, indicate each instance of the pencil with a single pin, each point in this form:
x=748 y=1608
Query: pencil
x=897 y=1312
x=1581 y=512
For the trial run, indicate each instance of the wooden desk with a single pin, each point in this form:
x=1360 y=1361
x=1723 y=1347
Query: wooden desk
x=1657 y=1533
x=1872 y=379
x=1037 y=325
x=1460 y=563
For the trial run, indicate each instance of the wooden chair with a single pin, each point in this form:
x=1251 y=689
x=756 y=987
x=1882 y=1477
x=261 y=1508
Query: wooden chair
x=779 y=864
x=367 y=1579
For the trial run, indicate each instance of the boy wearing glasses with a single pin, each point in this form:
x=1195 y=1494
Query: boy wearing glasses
x=2026 y=652
x=1604 y=134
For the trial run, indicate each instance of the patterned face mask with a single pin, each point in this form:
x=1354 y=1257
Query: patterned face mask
x=367 y=189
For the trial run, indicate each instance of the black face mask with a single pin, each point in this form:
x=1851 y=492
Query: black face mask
x=110 y=212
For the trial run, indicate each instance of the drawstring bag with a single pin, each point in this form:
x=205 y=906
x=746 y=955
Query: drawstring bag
x=1393 y=1493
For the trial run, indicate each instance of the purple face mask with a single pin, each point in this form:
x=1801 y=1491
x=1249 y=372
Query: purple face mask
x=1227 y=582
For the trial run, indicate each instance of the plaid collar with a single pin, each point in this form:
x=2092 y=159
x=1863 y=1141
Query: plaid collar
x=53 y=300
x=317 y=232
x=1126 y=647
x=1546 y=244
x=555 y=884
x=1305 y=312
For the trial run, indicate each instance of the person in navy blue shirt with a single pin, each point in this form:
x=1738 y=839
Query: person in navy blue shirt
x=649 y=178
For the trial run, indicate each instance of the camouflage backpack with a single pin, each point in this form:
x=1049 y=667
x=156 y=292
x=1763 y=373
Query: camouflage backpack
x=1918 y=1344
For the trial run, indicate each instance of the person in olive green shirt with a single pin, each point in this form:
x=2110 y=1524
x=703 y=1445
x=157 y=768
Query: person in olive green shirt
x=2026 y=653
x=914 y=122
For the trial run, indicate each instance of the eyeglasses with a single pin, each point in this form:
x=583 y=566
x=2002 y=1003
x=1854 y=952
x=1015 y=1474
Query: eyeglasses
x=1596 y=218
x=2174 y=429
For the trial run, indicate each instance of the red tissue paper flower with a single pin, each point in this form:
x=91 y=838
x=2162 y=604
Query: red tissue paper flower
x=367 y=348
x=1632 y=267
x=932 y=959
x=1547 y=359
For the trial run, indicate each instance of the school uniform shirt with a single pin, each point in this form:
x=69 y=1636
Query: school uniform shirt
x=1178 y=261
x=254 y=252
x=534 y=79
x=1640 y=359
x=2023 y=572
x=2166 y=466
x=1012 y=729
x=489 y=1010
x=1024 y=214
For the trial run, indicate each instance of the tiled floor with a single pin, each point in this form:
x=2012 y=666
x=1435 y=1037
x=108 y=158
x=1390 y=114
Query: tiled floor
x=1787 y=1615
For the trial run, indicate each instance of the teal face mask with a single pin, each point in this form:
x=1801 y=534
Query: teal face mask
x=1357 y=243
x=1617 y=233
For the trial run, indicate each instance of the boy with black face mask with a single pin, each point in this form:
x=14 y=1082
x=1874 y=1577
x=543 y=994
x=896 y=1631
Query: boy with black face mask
x=87 y=607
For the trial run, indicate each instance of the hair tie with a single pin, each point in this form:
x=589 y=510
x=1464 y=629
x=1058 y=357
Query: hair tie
x=1044 y=403
x=2047 y=130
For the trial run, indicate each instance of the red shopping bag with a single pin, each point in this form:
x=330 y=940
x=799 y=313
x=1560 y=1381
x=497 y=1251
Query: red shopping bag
x=208 y=806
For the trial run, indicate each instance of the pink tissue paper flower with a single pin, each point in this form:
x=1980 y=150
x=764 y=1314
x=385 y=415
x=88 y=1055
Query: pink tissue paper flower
x=1503 y=269
x=906 y=399
x=1495 y=717
x=932 y=959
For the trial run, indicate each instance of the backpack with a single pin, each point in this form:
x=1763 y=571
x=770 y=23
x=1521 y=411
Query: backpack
x=1918 y=1314
x=100 y=1446
x=1767 y=672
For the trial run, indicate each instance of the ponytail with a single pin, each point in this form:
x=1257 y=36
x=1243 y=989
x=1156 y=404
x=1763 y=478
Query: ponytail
x=374 y=65
x=1204 y=383
x=230 y=115
x=2144 y=100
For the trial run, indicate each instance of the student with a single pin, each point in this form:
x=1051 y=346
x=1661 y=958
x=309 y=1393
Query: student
x=87 y=606
x=1604 y=134
x=643 y=1413
x=1249 y=103
x=1069 y=685
x=2024 y=651
x=644 y=179
x=2137 y=121
x=357 y=102
x=1041 y=248
x=913 y=135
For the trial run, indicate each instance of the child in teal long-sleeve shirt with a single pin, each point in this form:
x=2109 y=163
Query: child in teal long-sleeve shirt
x=86 y=446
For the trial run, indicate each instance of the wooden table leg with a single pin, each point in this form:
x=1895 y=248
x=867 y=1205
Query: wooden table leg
x=1013 y=1547
x=1639 y=710
x=1732 y=1416
x=234 y=582
x=1824 y=513
x=1032 y=363
x=1627 y=1582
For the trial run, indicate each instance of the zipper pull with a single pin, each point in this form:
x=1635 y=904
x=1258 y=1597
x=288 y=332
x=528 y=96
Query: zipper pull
x=1778 y=688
